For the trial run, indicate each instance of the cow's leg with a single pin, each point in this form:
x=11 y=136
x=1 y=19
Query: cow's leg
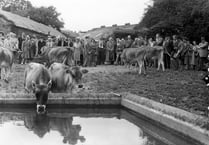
x=159 y=63
x=7 y=73
x=4 y=74
x=140 y=67
x=145 y=68
x=163 y=65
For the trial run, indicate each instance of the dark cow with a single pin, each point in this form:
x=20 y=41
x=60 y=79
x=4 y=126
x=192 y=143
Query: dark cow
x=139 y=55
x=38 y=80
x=6 y=61
x=58 y=54
x=65 y=78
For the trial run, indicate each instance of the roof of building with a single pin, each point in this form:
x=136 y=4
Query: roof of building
x=104 y=32
x=29 y=24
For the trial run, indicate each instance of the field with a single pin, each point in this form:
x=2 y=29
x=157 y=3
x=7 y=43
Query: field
x=182 y=89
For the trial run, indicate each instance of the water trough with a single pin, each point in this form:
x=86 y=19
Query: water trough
x=180 y=121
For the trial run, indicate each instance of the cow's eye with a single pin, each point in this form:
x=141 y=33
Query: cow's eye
x=37 y=95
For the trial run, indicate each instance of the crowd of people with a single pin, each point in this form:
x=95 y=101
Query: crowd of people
x=179 y=52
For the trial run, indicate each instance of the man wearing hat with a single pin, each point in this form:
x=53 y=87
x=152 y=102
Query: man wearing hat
x=129 y=42
x=49 y=42
x=203 y=53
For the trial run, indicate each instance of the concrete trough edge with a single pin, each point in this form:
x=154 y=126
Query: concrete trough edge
x=188 y=129
x=63 y=99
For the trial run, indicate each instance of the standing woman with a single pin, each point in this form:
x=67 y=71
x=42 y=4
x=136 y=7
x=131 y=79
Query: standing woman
x=194 y=55
x=109 y=51
x=77 y=51
x=25 y=49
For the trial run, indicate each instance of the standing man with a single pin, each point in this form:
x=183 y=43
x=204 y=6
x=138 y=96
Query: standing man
x=101 y=52
x=21 y=39
x=168 y=52
x=85 y=51
x=119 y=49
x=41 y=43
x=158 y=42
x=33 y=47
x=77 y=51
x=203 y=53
x=129 y=42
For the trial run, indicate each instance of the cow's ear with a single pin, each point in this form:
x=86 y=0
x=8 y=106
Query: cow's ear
x=84 y=71
x=49 y=84
x=33 y=85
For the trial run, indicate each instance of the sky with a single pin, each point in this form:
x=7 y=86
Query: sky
x=83 y=15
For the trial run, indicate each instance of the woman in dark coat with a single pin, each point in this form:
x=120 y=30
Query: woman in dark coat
x=26 y=50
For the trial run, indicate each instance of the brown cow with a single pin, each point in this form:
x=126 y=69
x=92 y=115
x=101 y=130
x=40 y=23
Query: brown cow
x=139 y=55
x=58 y=54
x=65 y=78
x=6 y=62
x=37 y=79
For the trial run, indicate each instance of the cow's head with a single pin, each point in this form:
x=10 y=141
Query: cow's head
x=41 y=92
x=77 y=74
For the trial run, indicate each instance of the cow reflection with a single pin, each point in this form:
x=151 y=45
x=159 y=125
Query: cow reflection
x=41 y=124
x=67 y=130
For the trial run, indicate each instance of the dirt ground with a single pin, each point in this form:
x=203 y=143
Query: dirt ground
x=180 y=89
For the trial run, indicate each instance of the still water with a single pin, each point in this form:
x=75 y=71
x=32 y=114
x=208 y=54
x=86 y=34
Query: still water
x=81 y=127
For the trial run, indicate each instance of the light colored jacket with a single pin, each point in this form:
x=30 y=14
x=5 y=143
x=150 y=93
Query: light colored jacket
x=203 y=49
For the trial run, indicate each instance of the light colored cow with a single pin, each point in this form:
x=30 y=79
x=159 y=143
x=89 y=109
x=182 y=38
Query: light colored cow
x=37 y=79
x=139 y=55
x=65 y=78
x=6 y=62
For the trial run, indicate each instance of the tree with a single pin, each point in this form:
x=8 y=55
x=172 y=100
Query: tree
x=15 y=5
x=188 y=18
x=45 y=15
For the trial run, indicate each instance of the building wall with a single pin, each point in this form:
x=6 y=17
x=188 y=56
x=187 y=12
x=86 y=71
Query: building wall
x=5 y=26
x=19 y=31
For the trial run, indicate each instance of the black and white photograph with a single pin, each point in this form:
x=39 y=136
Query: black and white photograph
x=104 y=72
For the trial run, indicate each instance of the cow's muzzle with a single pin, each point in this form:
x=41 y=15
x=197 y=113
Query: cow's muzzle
x=41 y=109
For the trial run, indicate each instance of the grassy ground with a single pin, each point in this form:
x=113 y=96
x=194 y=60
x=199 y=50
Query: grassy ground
x=183 y=89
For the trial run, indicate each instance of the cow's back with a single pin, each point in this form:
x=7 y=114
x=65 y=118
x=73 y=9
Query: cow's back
x=154 y=52
x=60 y=54
x=36 y=72
x=133 y=54
x=6 y=57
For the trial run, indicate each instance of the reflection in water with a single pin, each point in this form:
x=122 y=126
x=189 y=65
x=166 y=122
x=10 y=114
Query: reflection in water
x=84 y=127
x=41 y=124
x=71 y=130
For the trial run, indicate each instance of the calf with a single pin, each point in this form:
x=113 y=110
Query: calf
x=139 y=55
x=6 y=62
x=37 y=79
x=65 y=78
